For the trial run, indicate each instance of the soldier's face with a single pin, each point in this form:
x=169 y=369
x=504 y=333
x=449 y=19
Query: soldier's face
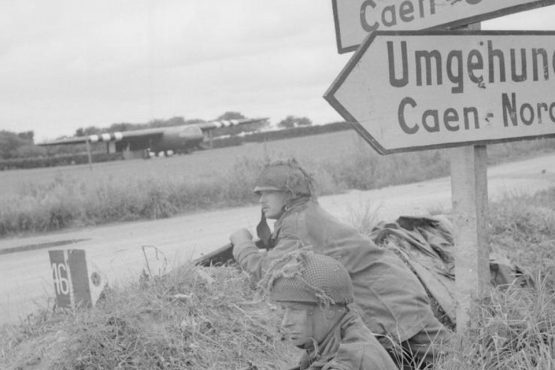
x=304 y=323
x=272 y=203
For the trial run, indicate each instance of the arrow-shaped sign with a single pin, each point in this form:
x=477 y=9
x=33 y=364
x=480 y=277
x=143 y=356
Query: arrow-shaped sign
x=354 y=19
x=407 y=91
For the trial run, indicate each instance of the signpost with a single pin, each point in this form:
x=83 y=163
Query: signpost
x=354 y=19
x=408 y=91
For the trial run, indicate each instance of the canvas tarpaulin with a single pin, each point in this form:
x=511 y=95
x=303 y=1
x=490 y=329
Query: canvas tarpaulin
x=426 y=245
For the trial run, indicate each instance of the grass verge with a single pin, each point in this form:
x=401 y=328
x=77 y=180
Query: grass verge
x=515 y=327
x=191 y=318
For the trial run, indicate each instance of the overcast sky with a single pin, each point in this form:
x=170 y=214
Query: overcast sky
x=66 y=64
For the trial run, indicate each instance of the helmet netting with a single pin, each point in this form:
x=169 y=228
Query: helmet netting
x=286 y=175
x=303 y=276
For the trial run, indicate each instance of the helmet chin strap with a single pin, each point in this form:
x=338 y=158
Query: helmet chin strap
x=263 y=231
x=315 y=345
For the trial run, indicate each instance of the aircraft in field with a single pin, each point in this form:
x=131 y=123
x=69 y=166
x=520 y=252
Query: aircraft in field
x=138 y=143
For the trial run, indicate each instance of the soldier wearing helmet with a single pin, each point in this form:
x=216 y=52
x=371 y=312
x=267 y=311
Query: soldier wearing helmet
x=315 y=293
x=393 y=303
x=285 y=176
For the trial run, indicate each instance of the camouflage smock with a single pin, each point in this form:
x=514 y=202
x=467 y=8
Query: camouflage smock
x=348 y=346
x=392 y=300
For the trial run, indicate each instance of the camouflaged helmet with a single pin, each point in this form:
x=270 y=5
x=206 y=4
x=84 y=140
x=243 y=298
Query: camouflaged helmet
x=310 y=278
x=285 y=176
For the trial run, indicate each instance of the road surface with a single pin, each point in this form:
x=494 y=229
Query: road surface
x=116 y=250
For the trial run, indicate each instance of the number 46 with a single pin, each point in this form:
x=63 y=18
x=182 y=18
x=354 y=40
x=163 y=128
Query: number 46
x=61 y=282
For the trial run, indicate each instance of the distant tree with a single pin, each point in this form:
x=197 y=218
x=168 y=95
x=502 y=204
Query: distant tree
x=292 y=121
x=91 y=130
x=9 y=143
x=230 y=115
x=175 y=121
x=28 y=136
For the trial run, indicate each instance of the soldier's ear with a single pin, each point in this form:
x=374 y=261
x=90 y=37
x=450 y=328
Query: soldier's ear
x=332 y=312
x=287 y=197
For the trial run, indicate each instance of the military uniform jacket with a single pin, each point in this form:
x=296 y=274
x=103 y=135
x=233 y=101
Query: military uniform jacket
x=392 y=301
x=348 y=346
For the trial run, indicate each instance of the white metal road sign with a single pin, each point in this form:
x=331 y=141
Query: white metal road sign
x=354 y=19
x=419 y=90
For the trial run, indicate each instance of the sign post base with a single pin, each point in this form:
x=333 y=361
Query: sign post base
x=470 y=208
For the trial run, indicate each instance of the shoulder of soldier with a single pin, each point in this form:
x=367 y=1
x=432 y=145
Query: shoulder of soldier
x=361 y=355
x=290 y=223
x=359 y=349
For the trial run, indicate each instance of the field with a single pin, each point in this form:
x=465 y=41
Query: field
x=195 y=167
x=207 y=165
x=48 y=199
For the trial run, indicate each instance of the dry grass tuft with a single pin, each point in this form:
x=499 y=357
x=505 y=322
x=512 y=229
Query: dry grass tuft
x=514 y=329
x=524 y=227
x=192 y=318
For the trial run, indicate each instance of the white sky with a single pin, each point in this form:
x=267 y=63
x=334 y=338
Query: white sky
x=66 y=64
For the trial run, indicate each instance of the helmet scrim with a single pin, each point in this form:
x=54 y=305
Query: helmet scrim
x=307 y=277
x=285 y=176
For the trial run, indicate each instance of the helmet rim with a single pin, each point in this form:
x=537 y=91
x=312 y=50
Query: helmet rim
x=285 y=176
x=260 y=188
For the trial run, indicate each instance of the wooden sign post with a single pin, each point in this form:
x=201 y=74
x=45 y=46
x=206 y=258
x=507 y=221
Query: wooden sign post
x=469 y=193
x=469 y=196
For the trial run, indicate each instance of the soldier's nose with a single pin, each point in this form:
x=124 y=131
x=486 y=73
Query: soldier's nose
x=285 y=320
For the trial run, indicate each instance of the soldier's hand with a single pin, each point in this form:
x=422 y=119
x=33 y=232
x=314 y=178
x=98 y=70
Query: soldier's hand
x=240 y=236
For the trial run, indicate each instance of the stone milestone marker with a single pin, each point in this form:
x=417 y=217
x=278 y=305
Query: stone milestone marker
x=77 y=283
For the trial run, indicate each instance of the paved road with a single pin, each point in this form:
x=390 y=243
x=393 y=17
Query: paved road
x=116 y=250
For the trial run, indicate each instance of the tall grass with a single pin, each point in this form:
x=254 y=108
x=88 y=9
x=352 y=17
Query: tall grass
x=515 y=327
x=67 y=202
x=364 y=169
x=73 y=202
x=525 y=228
